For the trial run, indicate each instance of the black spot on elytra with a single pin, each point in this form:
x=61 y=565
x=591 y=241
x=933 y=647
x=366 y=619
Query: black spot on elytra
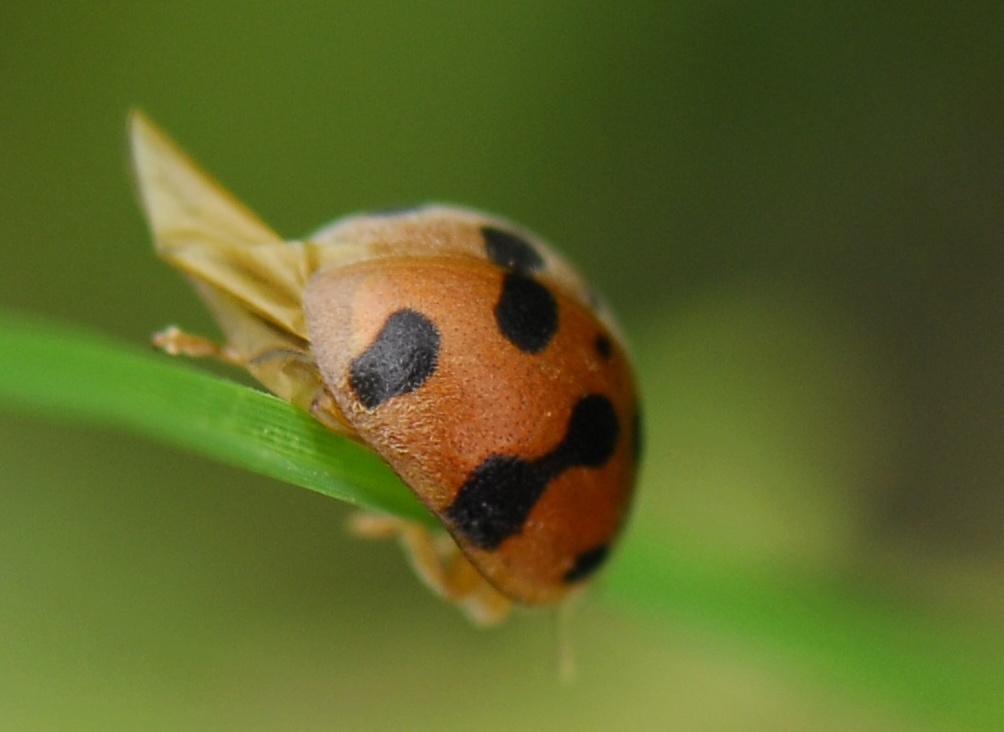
x=400 y=359
x=603 y=346
x=526 y=313
x=591 y=437
x=510 y=251
x=587 y=563
x=497 y=497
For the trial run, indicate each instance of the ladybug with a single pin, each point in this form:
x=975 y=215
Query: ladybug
x=461 y=348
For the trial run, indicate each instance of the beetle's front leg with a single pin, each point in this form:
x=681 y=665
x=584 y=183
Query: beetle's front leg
x=175 y=342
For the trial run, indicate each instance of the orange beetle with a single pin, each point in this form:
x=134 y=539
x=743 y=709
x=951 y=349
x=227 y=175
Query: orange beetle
x=459 y=347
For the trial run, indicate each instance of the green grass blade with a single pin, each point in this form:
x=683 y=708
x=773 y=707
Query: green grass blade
x=73 y=375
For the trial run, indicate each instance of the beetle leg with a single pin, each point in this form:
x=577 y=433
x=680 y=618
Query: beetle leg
x=175 y=342
x=440 y=564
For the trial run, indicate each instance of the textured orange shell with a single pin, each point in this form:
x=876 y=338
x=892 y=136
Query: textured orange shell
x=485 y=399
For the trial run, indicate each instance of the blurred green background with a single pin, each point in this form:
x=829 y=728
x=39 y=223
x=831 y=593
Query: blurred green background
x=795 y=208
